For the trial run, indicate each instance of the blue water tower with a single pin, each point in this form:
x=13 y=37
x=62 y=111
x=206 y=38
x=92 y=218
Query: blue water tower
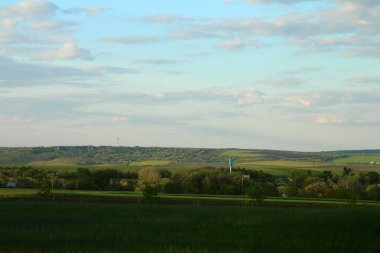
x=231 y=163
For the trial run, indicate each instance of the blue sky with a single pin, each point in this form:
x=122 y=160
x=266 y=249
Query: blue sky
x=273 y=74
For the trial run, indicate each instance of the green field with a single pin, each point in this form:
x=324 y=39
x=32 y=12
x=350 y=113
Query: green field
x=279 y=163
x=150 y=163
x=239 y=153
x=82 y=227
x=366 y=159
x=121 y=197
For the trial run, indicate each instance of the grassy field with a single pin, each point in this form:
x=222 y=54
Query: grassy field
x=237 y=153
x=198 y=199
x=278 y=163
x=150 y=163
x=102 y=228
x=358 y=159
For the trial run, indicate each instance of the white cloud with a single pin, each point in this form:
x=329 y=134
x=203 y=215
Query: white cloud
x=18 y=12
x=317 y=99
x=165 y=19
x=42 y=74
x=174 y=35
x=237 y=96
x=159 y=61
x=68 y=51
x=348 y=27
x=91 y=11
x=250 y=97
x=55 y=26
x=236 y=44
x=273 y=1
x=365 y=80
x=133 y=39
x=119 y=118
x=283 y=82
x=298 y=100
x=328 y=119
x=3 y=52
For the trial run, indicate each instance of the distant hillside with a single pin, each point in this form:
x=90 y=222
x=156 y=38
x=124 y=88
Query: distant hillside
x=357 y=152
x=139 y=156
x=87 y=155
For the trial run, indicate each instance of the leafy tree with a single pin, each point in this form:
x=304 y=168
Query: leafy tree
x=148 y=177
x=101 y=179
x=346 y=171
x=43 y=183
x=373 y=177
x=292 y=190
x=326 y=175
x=165 y=173
x=281 y=190
x=256 y=191
x=84 y=179
x=316 y=190
x=297 y=178
x=350 y=187
x=373 y=192
x=149 y=192
x=167 y=185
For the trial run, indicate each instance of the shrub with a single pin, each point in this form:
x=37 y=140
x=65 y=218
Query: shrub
x=257 y=191
x=149 y=191
x=373 y=192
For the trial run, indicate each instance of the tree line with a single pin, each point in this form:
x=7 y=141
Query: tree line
x=350 y=184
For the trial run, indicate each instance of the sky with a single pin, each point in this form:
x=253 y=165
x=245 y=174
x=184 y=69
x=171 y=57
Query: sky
x=262 y=74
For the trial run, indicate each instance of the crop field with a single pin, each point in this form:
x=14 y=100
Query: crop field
x=83 y=227
x=150 y=163
x=358 y=159
x=278 y=163
x=203 y=199
x=239 y=153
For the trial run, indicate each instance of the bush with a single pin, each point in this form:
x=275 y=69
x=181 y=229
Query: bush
x=257 y=191
x=373 y=192
x=43 y=183
x=149 y=192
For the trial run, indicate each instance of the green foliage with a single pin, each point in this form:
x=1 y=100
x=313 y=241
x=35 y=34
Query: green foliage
x=165 y=173
x=43 y=183
x=373 y=177
x=292 y=190
x=297 y=178
x=316 y=190
x=373 y=192
x=256 y=191
x=351 y=185
x=326 y=175
x=346 y=171
x=148 y=177
x=101 y=179
x=149 y=192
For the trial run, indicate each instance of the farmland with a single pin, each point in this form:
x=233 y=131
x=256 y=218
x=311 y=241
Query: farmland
x=86 y=227
x=363 y=159
x=198 y=199
x=175 y=159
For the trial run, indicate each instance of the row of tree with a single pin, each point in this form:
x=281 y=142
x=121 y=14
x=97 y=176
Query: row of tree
x=350 y=184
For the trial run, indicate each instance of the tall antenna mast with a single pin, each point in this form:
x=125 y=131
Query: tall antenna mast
x=118 y=141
